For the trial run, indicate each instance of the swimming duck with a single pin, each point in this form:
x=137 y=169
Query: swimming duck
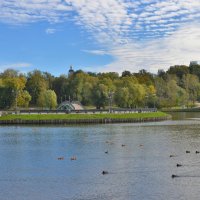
x=60 y=158
x=104 y=172
x=174 y=176
x=73 y=158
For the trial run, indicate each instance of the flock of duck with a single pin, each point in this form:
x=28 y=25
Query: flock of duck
x=106 y=152
x=123 y=145
x=180 y=165
x=106 y=172
x=62 y=158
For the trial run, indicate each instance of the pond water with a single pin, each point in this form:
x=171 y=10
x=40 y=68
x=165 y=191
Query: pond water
x=142 y=169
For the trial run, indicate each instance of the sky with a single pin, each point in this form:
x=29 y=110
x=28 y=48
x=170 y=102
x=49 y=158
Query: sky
x=98 y=35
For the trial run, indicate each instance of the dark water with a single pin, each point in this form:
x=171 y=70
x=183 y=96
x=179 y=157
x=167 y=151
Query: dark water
x=30 y=170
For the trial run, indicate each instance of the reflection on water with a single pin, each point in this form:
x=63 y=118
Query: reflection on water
x=185 y=115
x=142 y=169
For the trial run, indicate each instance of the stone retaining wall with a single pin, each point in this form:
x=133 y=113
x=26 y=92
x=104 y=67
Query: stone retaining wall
x=82 y=121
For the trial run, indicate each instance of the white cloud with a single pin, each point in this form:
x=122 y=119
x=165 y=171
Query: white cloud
x=50 y=31
x=180 y=48
x=17 y=66
x=139 y=33
x=96 y=52
x=26 y=11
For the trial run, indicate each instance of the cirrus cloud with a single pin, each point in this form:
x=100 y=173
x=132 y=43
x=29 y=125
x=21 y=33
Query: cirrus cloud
x=137 y=33
x=17 y=66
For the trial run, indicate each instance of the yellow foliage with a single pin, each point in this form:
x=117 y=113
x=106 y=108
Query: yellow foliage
x=151 y=89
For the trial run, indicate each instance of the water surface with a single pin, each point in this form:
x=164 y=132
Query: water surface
x=142 y=169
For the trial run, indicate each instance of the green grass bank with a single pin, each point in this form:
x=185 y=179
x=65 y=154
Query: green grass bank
x=82 y=118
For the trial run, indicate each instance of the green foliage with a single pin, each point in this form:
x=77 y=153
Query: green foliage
x=192 y=86
x=6 y=101
x=12 y=90
x=10 y=73
x=36 y=84
x=23 y=98
x=144 y=77
x=129 y=93
x=195 y=69
x=126 y=73
x=81 y=85
x=178 y=86
x=47 y=99
x=62 y=87
x=178 y=70
x=110 y=75
x=100 y=95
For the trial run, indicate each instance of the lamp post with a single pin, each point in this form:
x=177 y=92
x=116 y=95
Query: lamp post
x=154 y=101
x=146 y=99
x=15 y=92
x=16 y=101
x=110 y=97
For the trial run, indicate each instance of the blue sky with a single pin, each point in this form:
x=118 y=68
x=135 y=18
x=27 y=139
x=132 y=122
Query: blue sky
x=100 y=35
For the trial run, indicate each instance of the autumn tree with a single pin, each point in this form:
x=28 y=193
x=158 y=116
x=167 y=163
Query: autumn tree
x=192 y=86
x=13 y=91
x=47 y=99
x=36 y=84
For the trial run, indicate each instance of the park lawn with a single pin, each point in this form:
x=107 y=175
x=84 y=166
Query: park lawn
x=84 y=116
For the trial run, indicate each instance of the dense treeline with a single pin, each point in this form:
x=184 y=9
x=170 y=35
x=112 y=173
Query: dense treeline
x=179 y=86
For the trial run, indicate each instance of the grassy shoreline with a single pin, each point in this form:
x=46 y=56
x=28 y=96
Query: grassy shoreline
x=82 y=117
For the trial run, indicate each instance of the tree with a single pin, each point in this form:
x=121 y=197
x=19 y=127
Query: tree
x=169 y=93
x=178 y=70
x=36 y=84
x=122 y=97
x=110 y=75
x=150 y=96
x=10 y=73
x=12 y=86
x=81 y=85
x=192 y=86
x=23 y=98
x=7 y=97
x=144 y=77
x=129 y=93
x=100 y=95
x=49 y=79
x=126 y=73
x=162 y=74
x=62 y=88
x=195 y=69
x=47 y=99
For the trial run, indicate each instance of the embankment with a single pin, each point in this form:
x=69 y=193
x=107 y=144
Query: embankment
x=40 y=119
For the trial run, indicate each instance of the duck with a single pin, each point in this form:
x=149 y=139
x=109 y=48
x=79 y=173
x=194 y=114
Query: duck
x=174 y=176
x=106 y=151
x=60 y=158
x=197 y=152
x=73 y=158
x=179 y=165
x=187 y=151
x=123 y=145
x=104 y=172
